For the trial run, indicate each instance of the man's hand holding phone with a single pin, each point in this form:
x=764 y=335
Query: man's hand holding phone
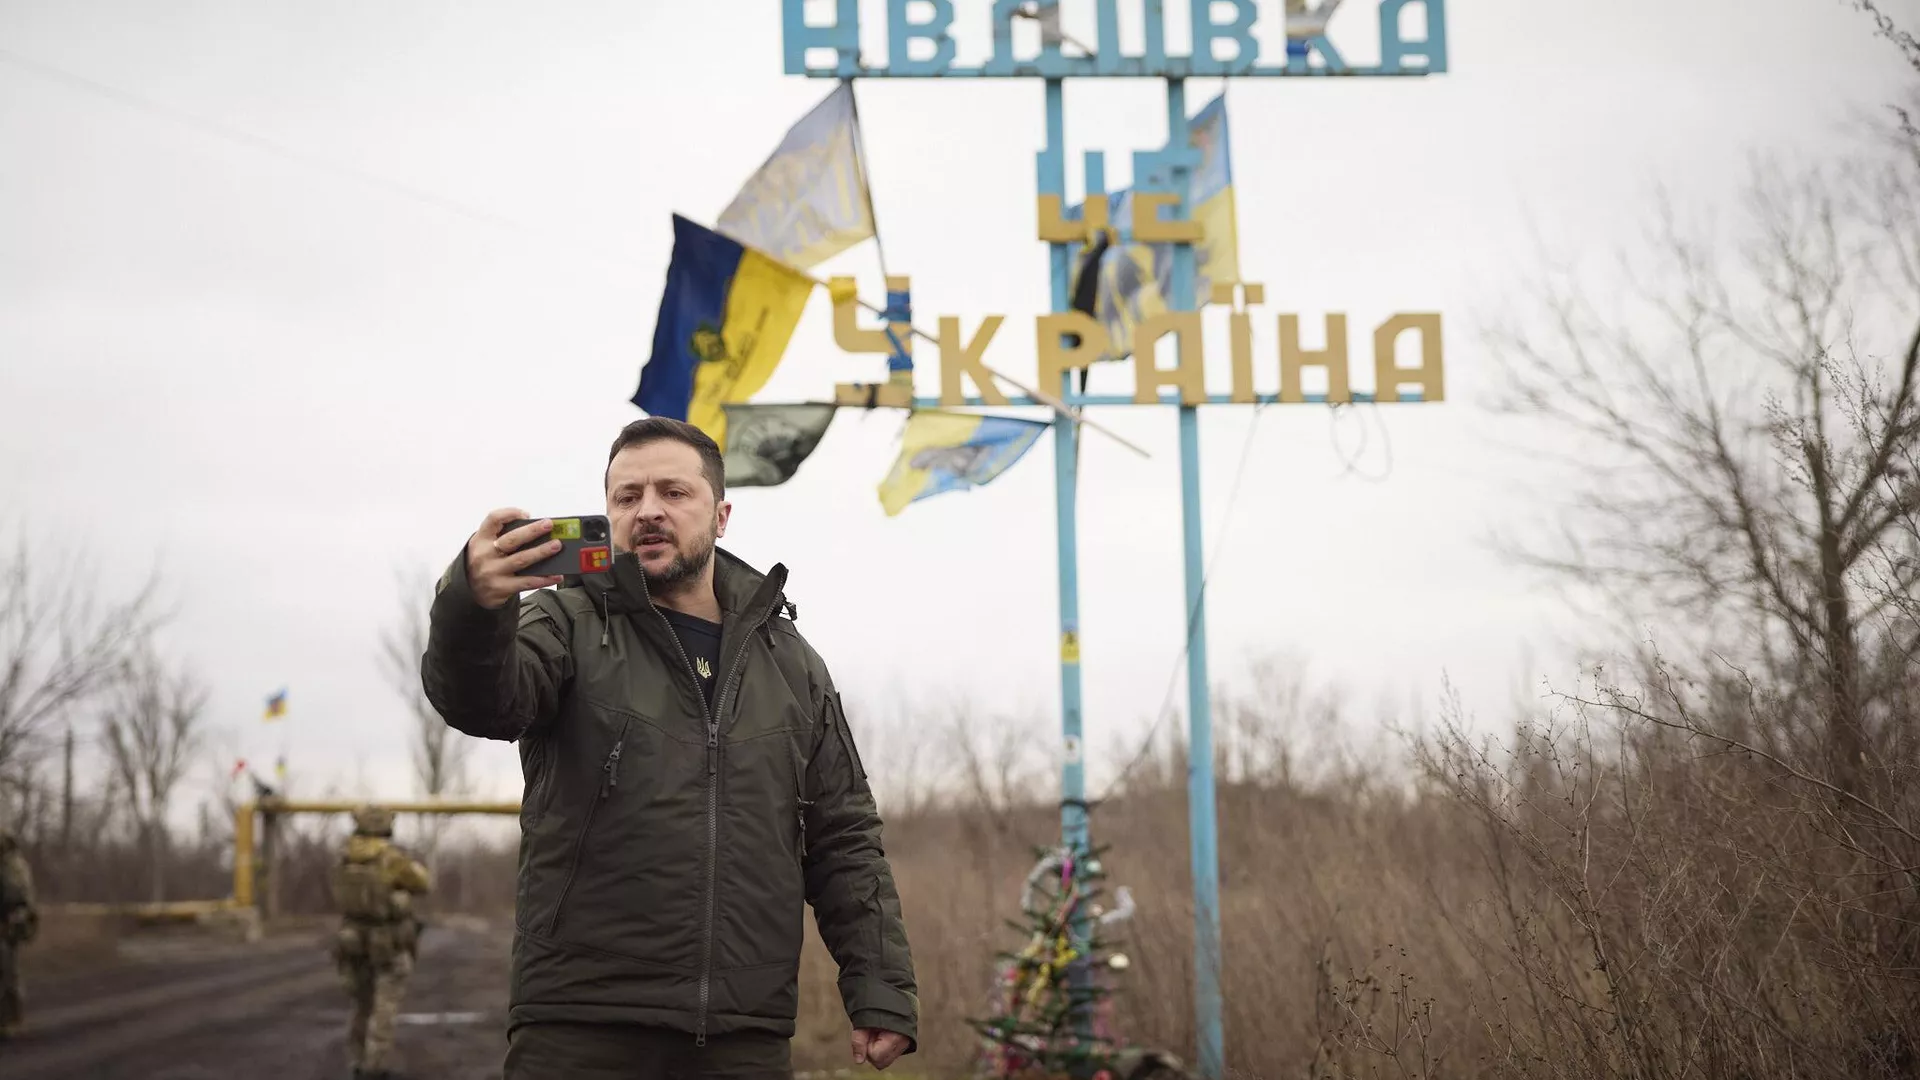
x=496 y=563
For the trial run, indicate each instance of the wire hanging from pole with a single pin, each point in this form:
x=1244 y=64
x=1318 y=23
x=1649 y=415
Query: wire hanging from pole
x=1206 y=576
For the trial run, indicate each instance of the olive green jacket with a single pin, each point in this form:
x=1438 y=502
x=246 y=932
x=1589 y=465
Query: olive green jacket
x=668 y=854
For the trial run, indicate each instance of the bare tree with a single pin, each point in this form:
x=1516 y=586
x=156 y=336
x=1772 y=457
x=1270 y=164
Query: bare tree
x=439 y=753
x=1748 y=420
x=1884 y=26
x=60 y=645
x=153 y=729
x=1000 y=772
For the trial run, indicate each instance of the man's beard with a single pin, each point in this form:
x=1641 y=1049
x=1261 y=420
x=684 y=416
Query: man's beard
x=685 y=568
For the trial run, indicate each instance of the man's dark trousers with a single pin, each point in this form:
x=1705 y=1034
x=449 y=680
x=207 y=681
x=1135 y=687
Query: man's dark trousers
x=553 y=1050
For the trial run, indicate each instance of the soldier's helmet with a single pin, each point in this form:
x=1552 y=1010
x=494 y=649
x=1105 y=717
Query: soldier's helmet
x=373 y=821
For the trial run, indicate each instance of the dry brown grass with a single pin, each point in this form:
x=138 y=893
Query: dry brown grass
x=1610 y=890
x=1607 y=892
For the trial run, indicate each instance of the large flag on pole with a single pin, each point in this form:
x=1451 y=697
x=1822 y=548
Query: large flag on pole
x=946 y=451
x=808 y=202
x=725 y=318
x=1133 y=281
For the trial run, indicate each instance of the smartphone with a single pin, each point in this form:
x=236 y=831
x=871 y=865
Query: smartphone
x=585 y=546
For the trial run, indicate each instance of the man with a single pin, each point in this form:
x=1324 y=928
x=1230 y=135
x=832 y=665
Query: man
x=374 y=883
x=18 y=922
x=691 y=785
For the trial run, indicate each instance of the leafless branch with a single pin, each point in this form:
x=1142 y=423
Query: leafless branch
x=153 y=728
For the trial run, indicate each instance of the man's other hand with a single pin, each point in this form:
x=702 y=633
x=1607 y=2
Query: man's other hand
x=879 y=1046
x=494 y=564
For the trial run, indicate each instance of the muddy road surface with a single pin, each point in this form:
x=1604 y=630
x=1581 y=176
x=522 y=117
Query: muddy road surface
x=191 y=1006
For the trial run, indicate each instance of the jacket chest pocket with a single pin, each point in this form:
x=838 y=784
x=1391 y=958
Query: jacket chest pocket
x=610 y=750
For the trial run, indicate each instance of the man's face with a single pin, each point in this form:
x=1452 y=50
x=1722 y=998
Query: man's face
x=662 y=509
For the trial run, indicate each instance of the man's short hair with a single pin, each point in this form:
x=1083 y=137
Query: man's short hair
x=655 y=428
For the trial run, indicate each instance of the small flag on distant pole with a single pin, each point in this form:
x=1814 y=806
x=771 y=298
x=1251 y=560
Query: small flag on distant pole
x=239 y=766
x=276 y=705
x=280 y=769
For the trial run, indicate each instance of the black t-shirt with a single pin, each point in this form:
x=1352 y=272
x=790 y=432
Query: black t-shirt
x=701 y=640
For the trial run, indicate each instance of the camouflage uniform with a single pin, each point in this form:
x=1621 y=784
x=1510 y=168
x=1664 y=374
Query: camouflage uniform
x=18 y=922
x=373 y=885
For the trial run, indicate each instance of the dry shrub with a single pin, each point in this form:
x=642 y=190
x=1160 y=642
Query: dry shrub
x=1670 y=901
x=1628 y=886
x=1613 y=891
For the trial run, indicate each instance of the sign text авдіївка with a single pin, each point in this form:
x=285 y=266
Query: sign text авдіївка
x=1309 y=51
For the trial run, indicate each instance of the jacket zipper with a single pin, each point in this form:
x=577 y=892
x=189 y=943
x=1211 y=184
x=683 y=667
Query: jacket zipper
x=713 y=789
x=611 y=780
x=612 y=769
x=713 y=834
x=800 y=800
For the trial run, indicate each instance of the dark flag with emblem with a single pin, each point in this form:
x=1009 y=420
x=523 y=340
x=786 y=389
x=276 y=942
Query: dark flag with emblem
x=1086 y=290
x=767 y=443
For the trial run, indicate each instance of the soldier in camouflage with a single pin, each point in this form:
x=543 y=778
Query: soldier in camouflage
x=18 y=922
x=374 y=883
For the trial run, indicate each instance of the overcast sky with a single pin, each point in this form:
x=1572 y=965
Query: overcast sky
x=292 y=294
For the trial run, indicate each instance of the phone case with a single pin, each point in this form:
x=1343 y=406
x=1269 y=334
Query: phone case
x=585 y=546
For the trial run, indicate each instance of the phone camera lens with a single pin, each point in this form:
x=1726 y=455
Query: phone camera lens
x=596 y=531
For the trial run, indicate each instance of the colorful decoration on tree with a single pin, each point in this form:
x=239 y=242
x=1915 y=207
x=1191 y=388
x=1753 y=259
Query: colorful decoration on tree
x=1052 y=1009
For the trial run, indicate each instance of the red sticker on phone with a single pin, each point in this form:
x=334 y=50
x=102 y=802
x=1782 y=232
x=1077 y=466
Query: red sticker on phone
x=595 y=559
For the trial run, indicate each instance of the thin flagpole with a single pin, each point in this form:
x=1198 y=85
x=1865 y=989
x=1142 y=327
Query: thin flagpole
x=866 y=175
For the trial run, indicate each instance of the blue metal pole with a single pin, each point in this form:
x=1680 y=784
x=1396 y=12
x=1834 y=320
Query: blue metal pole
x=1202 y=840
x=1066 y=470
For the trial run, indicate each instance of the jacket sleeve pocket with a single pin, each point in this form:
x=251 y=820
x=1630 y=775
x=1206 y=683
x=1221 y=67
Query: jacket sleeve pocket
x=838 y=718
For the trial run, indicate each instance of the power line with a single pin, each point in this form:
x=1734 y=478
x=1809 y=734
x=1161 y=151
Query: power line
x=214 y=128
x=238 y=136
x=1193 y=612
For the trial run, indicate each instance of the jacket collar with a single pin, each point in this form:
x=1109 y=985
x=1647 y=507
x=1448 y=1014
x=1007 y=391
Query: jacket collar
x=738 y=587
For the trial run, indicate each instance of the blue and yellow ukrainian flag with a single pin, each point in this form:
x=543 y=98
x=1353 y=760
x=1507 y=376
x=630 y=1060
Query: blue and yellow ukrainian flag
x=276 y=705
x=1136 y=279
x=1211 y=199
x=809 y=201
x=725 y=318
x=944 y=451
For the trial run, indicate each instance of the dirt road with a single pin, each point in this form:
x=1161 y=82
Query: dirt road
x=191 y=1007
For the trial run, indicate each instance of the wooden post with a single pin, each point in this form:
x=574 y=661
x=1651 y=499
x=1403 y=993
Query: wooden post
x=243 y=864
x=270 y=863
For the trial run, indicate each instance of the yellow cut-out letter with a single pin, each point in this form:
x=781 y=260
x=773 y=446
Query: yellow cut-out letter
x=1054 y=358
x=1189 y=372
x=847 y=332
x=1149 y=229
x=1056 y=228
x=959 y=358
x=1334 y=358
x=1389 y=376
x=1240 y=325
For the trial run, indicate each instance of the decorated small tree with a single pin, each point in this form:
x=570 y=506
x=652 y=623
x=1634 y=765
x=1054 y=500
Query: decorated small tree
x=1051 y=1007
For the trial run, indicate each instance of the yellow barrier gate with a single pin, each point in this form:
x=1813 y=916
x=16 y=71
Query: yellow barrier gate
x=247 y=868
x=244 y=863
